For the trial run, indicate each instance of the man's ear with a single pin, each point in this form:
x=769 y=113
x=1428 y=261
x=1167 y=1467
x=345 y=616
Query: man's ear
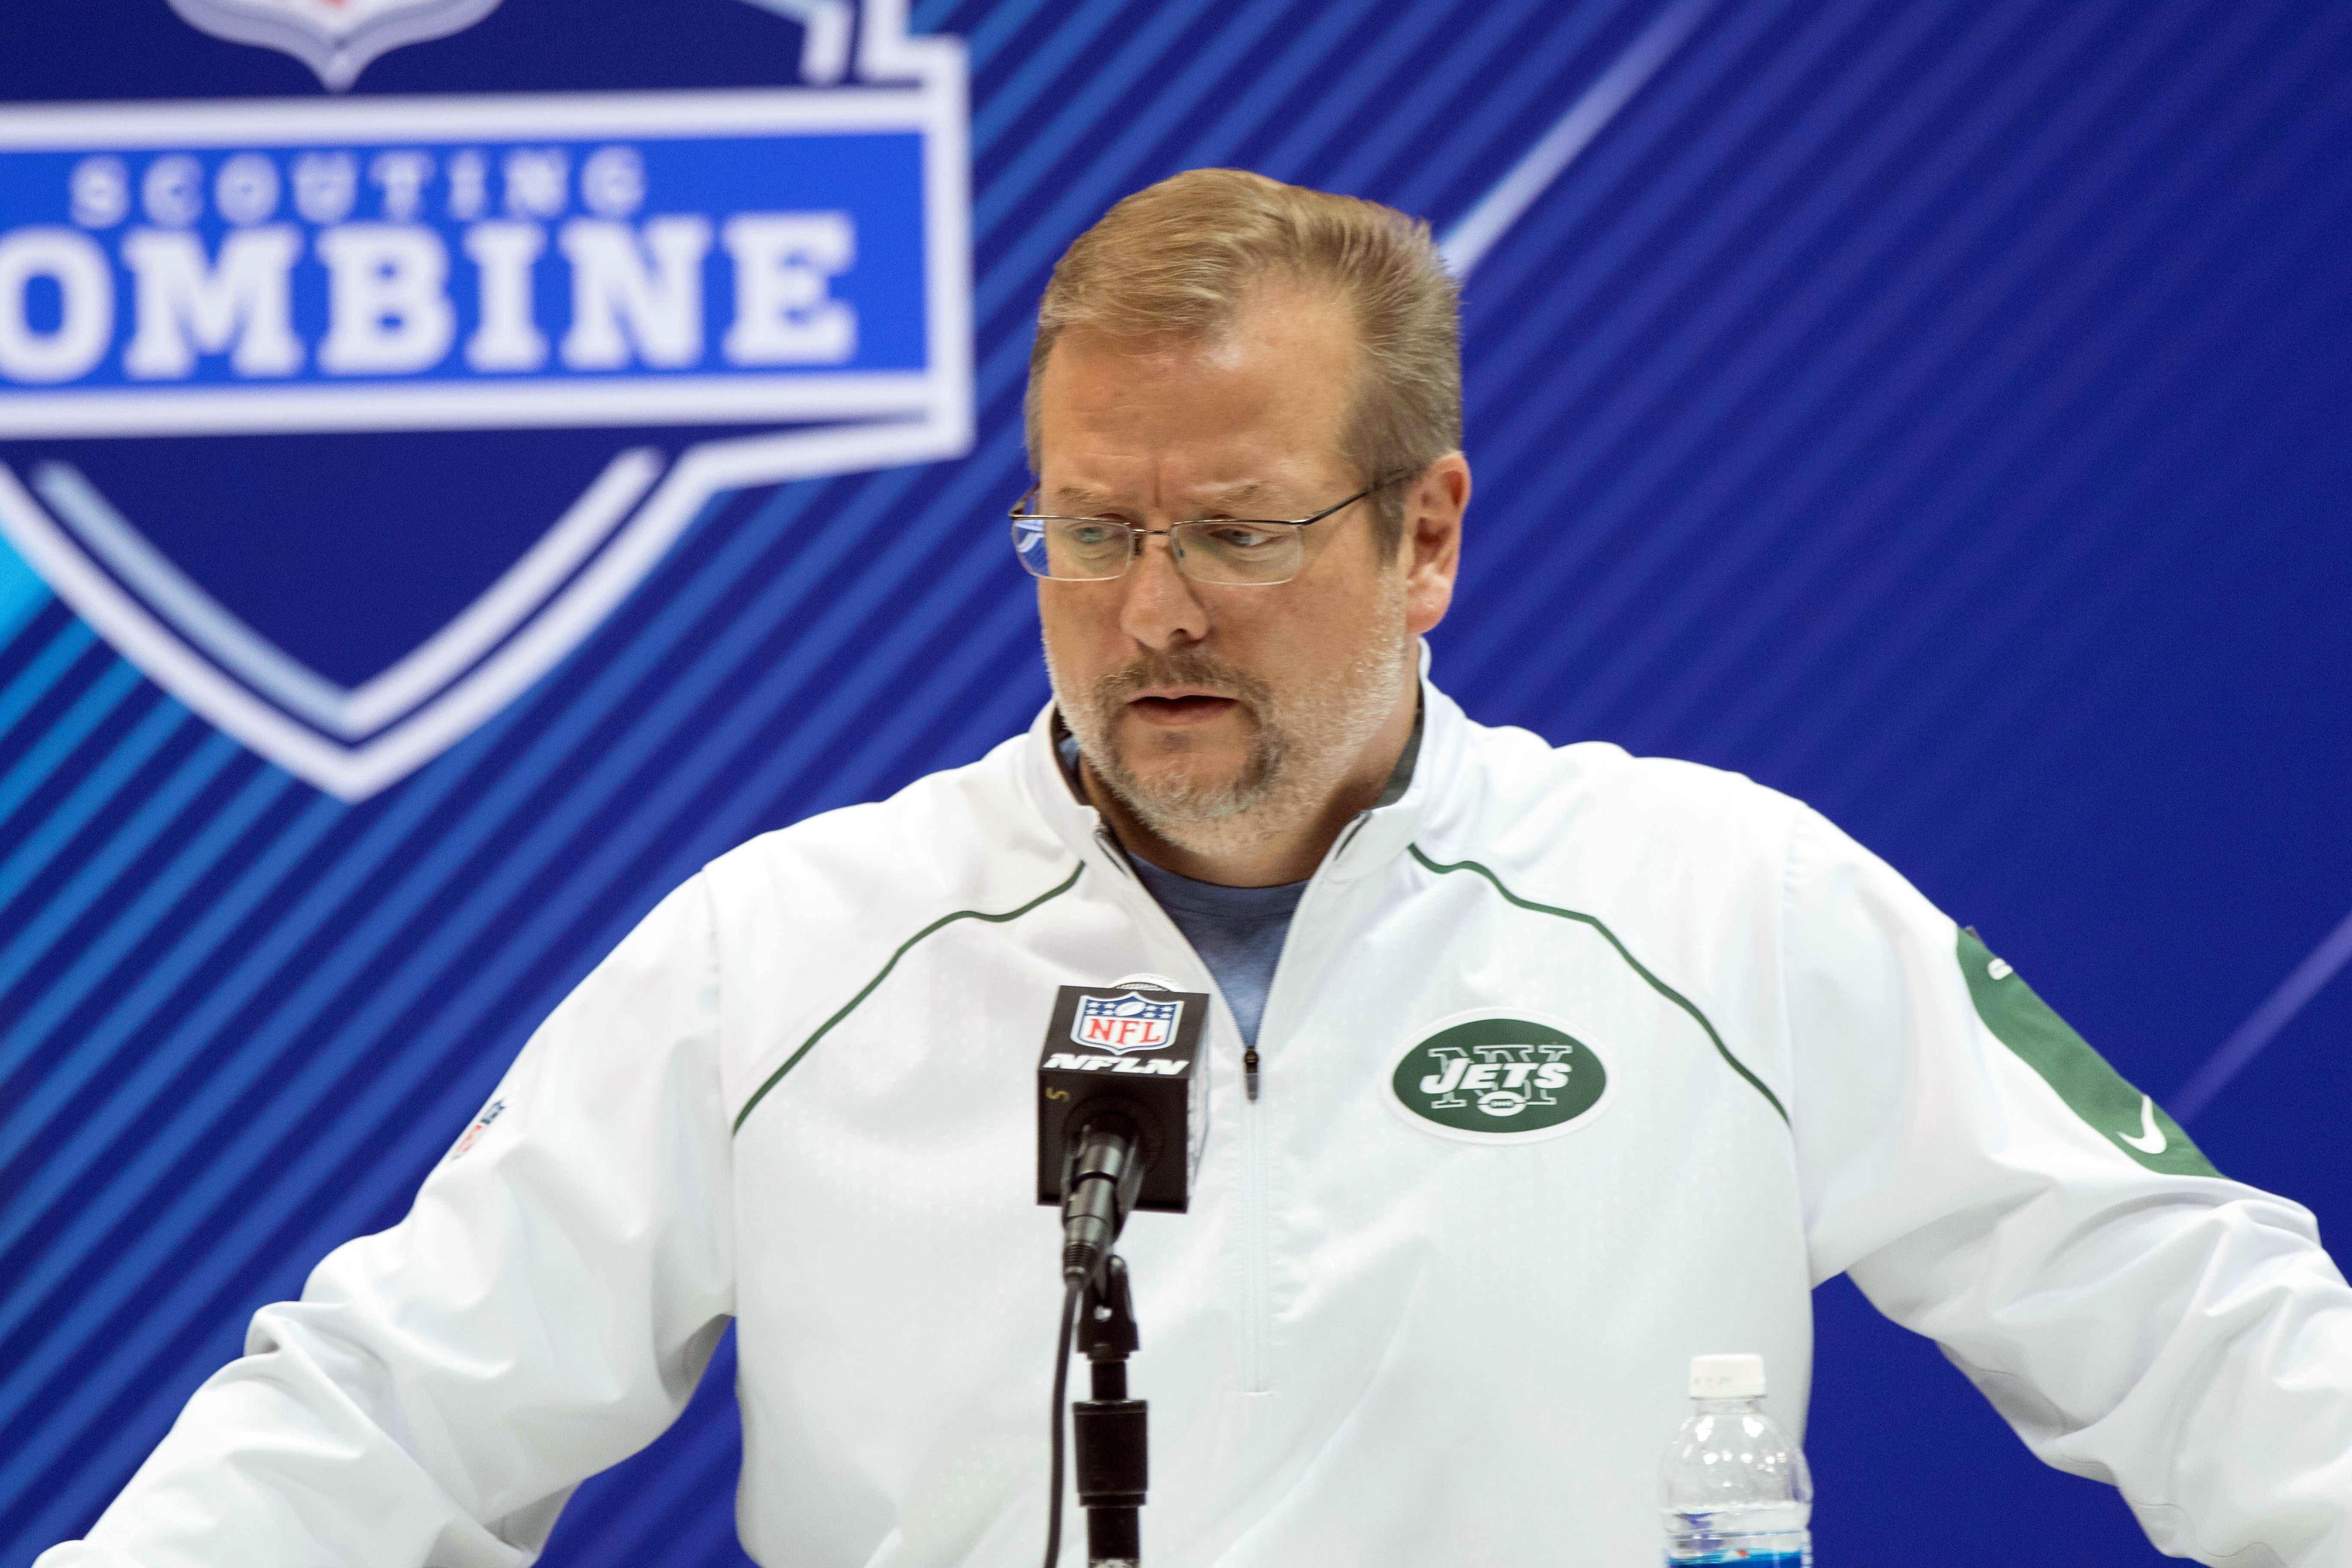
x=1432 y=546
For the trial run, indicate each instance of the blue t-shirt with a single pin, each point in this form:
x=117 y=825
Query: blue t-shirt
x=1237 y=932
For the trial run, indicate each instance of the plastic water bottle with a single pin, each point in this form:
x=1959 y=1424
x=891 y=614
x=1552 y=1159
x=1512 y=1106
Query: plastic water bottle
x=1733 y=1488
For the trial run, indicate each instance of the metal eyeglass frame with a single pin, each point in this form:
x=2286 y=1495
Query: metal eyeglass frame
x=1136 y=536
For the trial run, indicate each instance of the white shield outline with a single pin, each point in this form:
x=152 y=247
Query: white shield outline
x=620 y=526
x=337 y=57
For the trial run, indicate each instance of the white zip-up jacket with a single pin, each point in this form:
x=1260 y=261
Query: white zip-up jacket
x=1432 y=1305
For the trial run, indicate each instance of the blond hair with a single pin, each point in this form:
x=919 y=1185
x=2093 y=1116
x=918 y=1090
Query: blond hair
x=1177 y=258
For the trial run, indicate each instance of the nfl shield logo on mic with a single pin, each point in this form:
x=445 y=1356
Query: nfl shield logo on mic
x=346 y=416
x=1131 y=1022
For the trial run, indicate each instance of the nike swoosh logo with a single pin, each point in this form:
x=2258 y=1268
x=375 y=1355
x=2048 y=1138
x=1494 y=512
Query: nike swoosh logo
x=2150 y=1139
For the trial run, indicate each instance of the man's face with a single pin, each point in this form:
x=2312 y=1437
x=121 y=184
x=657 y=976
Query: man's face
x=1199 y=703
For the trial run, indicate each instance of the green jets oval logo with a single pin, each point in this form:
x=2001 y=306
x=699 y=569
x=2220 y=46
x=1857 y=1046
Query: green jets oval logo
x=1497 y=1078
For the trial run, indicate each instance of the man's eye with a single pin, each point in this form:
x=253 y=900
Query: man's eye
x=1240 y=538
x=1092 y=535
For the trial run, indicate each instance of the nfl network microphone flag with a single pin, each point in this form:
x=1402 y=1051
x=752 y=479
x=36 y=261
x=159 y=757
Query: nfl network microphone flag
x=496 y=348
x=1136 y=1049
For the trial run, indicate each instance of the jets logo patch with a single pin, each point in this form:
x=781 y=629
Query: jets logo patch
x=1489 y=1077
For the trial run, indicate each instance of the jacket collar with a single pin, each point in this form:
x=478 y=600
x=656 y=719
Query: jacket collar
x=1367 y=845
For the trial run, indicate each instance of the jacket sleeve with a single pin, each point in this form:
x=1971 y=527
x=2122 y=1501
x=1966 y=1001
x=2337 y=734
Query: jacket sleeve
x=545 y=1308
x=1990 y=1182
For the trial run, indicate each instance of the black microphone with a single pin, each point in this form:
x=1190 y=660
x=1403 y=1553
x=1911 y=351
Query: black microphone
x=1122 y=1112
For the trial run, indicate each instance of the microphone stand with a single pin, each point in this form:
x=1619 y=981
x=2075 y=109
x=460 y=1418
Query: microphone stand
x=1110 y=1427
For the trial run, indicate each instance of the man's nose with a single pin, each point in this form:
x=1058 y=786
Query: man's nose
x=1162 y=609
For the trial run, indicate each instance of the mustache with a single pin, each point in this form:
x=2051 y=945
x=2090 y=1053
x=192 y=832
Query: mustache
x=1186 y=667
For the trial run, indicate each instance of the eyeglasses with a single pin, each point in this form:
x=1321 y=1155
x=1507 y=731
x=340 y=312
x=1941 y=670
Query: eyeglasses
x=1237 y=552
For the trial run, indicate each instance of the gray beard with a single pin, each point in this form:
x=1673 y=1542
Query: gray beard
x=1297 y=760
x=1183 y=800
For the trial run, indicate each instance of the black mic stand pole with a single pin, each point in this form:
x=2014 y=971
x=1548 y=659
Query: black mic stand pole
x=1111 y=1463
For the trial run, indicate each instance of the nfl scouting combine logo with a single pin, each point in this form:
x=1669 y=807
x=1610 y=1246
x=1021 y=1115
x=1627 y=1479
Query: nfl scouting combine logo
x=345 y=417
x=1132 y=1022
x=1492 y=1077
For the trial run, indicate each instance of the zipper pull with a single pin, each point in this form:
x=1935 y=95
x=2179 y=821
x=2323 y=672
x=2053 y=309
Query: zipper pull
x=1249 y=1070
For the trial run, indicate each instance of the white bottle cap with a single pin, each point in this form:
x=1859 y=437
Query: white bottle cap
x=1726 y=1377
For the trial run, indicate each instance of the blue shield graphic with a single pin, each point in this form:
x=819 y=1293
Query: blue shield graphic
x=346 y=419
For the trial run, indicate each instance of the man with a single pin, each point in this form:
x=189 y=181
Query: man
x=1571 y=1066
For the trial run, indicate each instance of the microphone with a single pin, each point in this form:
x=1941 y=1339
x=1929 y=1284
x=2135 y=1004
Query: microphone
x=1122 y=1112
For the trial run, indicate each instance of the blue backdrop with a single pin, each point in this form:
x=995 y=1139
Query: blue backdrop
x=1933 y=410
